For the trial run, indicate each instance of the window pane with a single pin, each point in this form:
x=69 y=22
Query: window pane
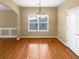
x=36 y=21
x=33 y=18
x=43 y=19
x=43 y=26
x=33 y=26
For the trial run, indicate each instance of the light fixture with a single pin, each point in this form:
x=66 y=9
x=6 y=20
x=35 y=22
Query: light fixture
x=40 y=12
x=40 y=9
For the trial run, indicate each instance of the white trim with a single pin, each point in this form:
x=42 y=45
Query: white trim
x=74 y=51
x=8 y=36
x=67 y=20
x=61 y=41
x=67 y=46
x=67 y=27
x=38 y=37
x=37 y=30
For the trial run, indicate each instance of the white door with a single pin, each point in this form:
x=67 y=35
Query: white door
x=77 y=30
x=73 y=29
x=77 y=45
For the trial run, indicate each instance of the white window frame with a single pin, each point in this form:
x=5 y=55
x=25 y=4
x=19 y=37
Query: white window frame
x=38 y=24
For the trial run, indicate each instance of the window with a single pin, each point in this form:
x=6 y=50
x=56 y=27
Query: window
x=38 y=23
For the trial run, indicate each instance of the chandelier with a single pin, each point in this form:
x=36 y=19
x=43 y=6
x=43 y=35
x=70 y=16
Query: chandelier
x=40 y=12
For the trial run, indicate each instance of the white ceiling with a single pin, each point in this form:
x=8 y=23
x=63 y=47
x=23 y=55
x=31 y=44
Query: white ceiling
x=2 y=7
x=35 y=3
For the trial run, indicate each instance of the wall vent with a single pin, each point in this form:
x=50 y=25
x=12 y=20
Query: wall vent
x=8 y=32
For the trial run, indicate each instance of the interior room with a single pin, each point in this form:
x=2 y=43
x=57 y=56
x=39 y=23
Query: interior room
x=39 y=29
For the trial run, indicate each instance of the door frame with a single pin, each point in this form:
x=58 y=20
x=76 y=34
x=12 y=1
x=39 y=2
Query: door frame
x=67 y=27
x=67 y=30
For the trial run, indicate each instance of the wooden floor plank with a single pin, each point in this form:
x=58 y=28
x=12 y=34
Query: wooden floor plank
x=34 y=49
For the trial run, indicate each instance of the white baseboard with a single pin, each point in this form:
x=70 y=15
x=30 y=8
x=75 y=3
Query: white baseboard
x=8 y=36
x=67 y=46
x=38 y=36
x=61 y=41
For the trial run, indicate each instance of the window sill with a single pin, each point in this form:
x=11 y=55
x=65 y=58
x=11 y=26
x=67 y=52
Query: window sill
x=38 y=31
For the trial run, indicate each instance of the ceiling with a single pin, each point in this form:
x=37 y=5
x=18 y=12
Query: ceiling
x=35 y=3
x=2 y=7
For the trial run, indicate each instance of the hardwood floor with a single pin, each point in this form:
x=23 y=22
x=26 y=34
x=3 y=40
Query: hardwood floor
x=34 y=49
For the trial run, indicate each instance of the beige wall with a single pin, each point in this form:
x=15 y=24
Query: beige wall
x=8 y=19
x=10 y=4
x=15 y=8
x=62 y=17
x=53 y=19
x=52 y=12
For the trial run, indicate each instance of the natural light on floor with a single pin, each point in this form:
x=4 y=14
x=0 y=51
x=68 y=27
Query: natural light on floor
x=38 y=50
